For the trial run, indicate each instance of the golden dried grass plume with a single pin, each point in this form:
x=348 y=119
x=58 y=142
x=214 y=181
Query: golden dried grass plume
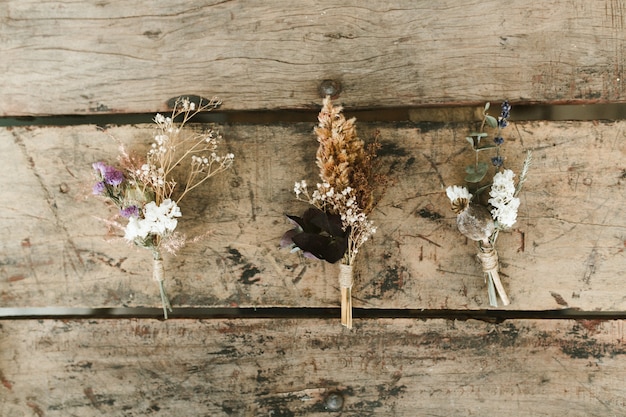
x=344 y=160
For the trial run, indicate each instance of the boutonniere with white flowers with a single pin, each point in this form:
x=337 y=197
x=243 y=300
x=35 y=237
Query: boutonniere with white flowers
x=145 y=190
x=336 y=224
x=483 y=223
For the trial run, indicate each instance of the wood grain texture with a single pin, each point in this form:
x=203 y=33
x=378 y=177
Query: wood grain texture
x=76 y=57
x=289 y=368
x=567 y=249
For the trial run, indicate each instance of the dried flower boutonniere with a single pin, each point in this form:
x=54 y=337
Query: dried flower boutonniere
x=476 y=221
x=337 y=224
x=144 y=188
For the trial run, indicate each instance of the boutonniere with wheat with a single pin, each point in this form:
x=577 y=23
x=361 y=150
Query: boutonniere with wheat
x=336 y=225
x=147 y=191
x=483 y=223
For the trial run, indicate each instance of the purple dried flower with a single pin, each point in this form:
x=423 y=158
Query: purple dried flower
x=98 y=188
x=109 y=174
x=506 y=109
x=504 y=114
x=497 y=161
x=113 y=176
x=130 y=211
x=498 y=140
x=99 y=167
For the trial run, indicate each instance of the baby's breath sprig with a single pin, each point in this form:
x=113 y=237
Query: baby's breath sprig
x=337 y=224
x=479 y=223
x=145 y=190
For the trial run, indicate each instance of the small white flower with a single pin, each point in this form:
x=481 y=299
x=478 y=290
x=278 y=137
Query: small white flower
x=455 y=193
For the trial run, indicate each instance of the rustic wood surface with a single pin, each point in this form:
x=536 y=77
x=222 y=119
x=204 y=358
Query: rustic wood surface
x=567 y=249
x=71 y=56
x=288 y=368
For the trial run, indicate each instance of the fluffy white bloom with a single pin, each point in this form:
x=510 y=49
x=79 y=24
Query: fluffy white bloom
x=455 y=192
x=504 y=204
x=157 y=220
x=136 y=228
x=162 y=219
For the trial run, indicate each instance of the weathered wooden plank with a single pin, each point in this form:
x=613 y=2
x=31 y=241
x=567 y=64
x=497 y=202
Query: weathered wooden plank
x=288 y=368
x=567 y=248
x=71 y=56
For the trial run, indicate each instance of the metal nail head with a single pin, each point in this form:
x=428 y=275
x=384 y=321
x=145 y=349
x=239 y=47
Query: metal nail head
x=330 y=88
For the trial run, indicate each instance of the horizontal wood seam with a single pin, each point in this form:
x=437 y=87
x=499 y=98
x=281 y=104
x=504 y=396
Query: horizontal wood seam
x=541 y=112
x=491 y=316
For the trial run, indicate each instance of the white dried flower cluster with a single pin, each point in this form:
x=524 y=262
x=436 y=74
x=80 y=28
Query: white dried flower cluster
x=165 y=124
x=187 y=105
x=158 y=220
x=503 y=199
x=204 y=162
x=159 y=146
x=206 y=156
x=343 y=203
x=300 y=188
x=456 y=193
x=151 y=174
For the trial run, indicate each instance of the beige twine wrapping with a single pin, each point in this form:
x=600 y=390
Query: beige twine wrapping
x=489 y=259
x=158 y=270
x=345 y=276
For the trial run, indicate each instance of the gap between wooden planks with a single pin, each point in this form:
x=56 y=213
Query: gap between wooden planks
x=489 y=316
x=543 y=112
x=259 y=367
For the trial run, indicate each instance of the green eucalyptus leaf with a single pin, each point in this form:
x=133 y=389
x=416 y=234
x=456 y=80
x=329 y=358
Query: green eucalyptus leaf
x=487 y=105
x=491 y=121
x=470 y=140
x=476 y=173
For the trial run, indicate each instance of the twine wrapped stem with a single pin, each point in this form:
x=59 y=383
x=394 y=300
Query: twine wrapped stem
x=489 y=259
x=157 y=274
x=345 y=282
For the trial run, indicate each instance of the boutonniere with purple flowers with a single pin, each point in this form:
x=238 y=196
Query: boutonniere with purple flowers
x=336 y=225
x=483 y=223
x=145 y=190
